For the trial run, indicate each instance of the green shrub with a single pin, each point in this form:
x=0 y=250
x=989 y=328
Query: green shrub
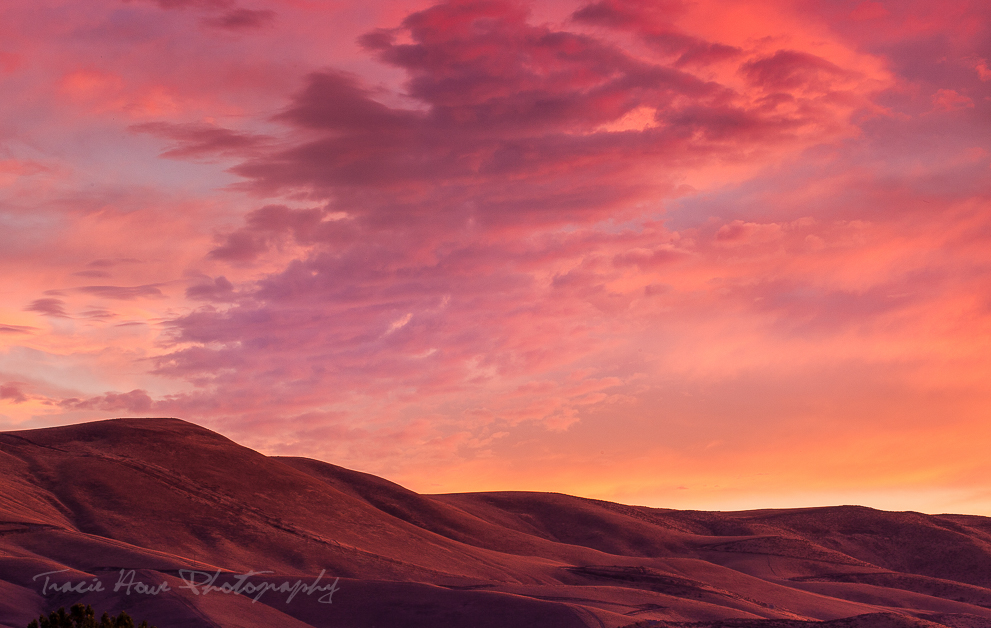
x=80 y=616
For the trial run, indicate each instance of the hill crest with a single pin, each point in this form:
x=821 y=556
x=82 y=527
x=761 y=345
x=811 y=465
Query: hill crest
x=165 y=497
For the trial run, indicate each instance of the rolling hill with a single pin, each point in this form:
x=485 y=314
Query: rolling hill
x=165 y=505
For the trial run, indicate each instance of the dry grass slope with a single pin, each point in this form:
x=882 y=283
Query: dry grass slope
x=152 y=499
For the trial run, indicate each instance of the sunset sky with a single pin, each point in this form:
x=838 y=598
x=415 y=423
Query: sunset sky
x=708 y=254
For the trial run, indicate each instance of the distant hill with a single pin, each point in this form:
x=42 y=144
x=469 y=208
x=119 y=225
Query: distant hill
x=163 y=497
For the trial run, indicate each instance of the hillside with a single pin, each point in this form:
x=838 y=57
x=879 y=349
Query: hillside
x=163 y=497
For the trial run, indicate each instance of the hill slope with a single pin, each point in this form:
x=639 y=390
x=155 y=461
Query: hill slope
x=87 y=509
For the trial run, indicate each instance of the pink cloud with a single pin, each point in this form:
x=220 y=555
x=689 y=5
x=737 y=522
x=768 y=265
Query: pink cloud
x=790 y=69
x=48 y=307
x=982 y=70
x=136 y=401
x=655 y=23
x=220 y=290
x=125 y=293
x=485 y=248
x=950 y=100
x=13 y=392
x=739 y=232
x=15 y=329
x=269 y=226
x=241 y=19
x=189 y=4
x=200 y=140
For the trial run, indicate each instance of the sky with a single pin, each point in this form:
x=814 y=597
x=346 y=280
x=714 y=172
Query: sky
x=685 y=254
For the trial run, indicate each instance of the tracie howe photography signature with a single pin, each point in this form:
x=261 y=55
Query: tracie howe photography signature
x=199 y=582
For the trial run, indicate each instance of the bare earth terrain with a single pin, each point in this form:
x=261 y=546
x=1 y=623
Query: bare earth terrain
x=149 y=501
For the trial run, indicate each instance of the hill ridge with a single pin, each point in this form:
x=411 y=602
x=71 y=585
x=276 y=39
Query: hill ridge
x=157 y=496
